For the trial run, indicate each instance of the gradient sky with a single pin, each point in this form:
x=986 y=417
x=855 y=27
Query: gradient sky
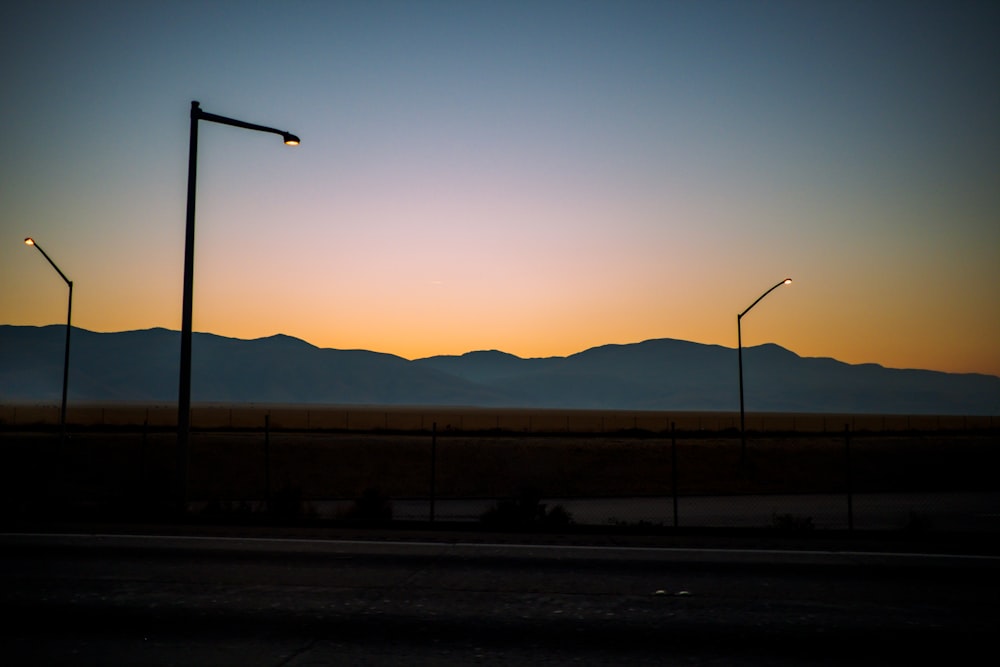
x=535 y=177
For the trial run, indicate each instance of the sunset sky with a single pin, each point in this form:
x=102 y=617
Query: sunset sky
x=534 y=177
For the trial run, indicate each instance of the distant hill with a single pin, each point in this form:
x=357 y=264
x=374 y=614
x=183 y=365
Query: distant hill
x=661 y=374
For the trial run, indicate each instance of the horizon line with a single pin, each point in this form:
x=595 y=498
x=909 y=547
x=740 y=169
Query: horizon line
x=593 y=347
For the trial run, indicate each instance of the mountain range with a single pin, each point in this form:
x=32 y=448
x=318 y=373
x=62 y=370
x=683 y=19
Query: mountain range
x=659 y=374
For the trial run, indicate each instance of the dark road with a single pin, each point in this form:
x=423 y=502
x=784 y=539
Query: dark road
x=174 y=600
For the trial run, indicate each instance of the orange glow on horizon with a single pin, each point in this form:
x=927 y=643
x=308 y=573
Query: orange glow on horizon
x=454 y=196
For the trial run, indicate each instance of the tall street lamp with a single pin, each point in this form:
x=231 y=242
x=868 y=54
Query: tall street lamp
x=69 y=316
x=739 y=339
x=184 y=392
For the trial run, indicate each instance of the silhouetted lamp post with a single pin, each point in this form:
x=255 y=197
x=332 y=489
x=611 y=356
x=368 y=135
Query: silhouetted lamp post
x=184 y=393
x=69 y=316
x=739 y=339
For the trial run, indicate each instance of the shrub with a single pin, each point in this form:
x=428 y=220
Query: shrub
x=791 y=523
x=917 y=522
x=525 y=510
x=373 y=505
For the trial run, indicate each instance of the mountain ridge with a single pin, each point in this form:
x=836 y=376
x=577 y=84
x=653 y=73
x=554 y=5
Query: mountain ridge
x=654 y=374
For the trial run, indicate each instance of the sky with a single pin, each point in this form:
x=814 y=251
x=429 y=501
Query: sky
x=534 y=177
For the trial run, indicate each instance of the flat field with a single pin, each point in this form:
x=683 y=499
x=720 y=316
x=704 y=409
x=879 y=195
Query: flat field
x=471 y=419
x=105 y=465
x=125 y=460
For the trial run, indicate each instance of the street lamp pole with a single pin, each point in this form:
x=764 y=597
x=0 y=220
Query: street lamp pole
x=739 y=345
x=69 y=316
x=184 y=391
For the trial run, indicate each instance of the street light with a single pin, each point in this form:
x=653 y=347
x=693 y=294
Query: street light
x=739 y=339
x=184 y=392
x=69 y=315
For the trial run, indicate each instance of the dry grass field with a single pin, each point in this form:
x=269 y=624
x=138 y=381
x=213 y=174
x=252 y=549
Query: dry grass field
x=129 y=466
x=308 y=456
x=447 y=419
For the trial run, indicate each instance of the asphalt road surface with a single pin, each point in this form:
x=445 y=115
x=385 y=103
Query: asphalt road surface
x=153 y=600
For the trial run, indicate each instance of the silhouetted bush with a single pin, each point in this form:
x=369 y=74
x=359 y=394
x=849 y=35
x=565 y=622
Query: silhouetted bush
x=525 y=510
x=791 y=523
x=229 y=510
x=917 y=522
x=286 y=504
x=373 y=505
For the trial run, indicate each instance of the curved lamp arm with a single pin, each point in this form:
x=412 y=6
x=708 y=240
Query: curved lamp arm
x=30 y=241
x=197 y=114
x=783 y=282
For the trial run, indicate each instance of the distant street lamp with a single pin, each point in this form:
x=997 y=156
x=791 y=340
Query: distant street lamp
x=69 y=315
x=739 y=339
x=184 y=392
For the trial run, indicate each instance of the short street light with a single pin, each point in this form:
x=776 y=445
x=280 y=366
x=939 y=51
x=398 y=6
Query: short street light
x=69 y=315
x=739 y=339
x=184 y=392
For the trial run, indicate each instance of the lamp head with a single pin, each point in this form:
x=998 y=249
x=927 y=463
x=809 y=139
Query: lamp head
x=290 y=139
x=788 y=281
x=29 y=241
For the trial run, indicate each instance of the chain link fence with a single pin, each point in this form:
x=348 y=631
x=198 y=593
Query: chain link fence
x=926 y=480
x=476 y=420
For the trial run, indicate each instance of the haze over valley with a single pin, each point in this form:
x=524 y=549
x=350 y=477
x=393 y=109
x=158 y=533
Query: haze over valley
x=658 y=374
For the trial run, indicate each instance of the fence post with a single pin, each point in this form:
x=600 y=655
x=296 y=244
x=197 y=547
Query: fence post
x=848 y=478
x=142 y=455
x=267 y=463
x=673 y=468
x=433 y=465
